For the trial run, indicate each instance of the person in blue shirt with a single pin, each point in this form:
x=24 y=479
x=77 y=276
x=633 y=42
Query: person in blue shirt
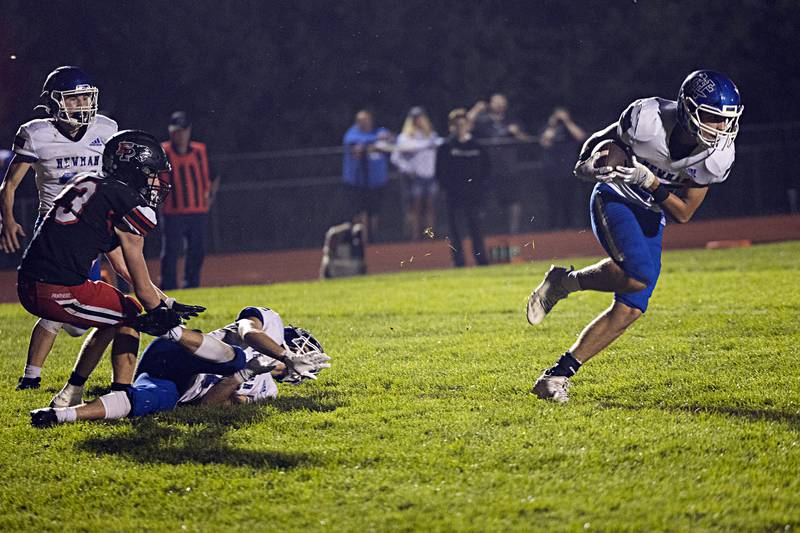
x=365 y=168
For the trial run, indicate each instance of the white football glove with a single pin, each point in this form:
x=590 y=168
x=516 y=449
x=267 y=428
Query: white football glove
x=306 y=365
x=586 y=170
x=638 y=174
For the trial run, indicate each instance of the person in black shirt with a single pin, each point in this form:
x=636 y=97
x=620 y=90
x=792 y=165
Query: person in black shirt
x=560 y=140
x=110 y=213
x=462 y=168
x=501 y=133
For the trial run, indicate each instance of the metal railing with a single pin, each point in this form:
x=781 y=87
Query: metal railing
x=287 y=199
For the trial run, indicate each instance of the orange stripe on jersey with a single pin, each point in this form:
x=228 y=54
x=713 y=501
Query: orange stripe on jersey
x=142 y=219
x=135 y=225
x=190 y=180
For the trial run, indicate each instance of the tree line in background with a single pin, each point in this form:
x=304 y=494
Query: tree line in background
x=261 y=76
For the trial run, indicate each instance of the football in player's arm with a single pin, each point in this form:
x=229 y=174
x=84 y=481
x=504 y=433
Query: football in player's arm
x=97 y=213
x=68 y=142
x=678 y=148
x=236 y=364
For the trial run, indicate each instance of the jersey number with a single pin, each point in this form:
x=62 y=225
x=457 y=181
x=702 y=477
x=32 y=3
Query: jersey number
x=72 y=201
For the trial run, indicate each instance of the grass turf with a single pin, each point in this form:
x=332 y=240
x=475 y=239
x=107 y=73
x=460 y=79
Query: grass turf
x=690 y=421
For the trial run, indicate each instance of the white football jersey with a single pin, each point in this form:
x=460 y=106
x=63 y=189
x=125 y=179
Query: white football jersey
x=646 y=126
x=56 y=158
x=259 y=387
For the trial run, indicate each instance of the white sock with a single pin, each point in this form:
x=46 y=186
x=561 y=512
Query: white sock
x=116 y=404
x=49 y=325
x=571 y=282
x=174 y=334
x=32 y=371
x=66 y=414
x=212 y=349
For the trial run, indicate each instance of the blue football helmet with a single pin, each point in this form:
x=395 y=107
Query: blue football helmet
x=65 y=82
x=300 y=341
x=710 y=97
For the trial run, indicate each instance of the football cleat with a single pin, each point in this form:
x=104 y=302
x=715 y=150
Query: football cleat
x=69 y=396
x=44 y=418
x=553 y=388
x=28 y=383
x=547 y=294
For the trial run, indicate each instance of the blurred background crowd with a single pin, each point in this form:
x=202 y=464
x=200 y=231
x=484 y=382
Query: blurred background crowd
x=322 y=112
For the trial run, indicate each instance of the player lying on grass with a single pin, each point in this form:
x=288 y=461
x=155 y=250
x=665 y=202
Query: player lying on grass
x=674 y=151
x=108 y=212
x=238 y=363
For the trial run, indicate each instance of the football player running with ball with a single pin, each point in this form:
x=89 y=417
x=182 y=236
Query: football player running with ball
x=675 y=150
x=70 y=141
x=99 y=213
x=236 y=364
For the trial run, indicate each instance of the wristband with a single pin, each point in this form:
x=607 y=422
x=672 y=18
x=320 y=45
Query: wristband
x=659 y=194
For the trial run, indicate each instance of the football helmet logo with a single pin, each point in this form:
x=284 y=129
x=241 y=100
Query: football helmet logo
x=127 y=150
x=709 y=107
x=137 y=159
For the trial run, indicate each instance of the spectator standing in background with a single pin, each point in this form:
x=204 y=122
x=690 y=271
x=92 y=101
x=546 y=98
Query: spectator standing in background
x=415 y=156
x=365 y=169
x=493 y=124
x=461 y=167
x=185 y=212
x=561 y=139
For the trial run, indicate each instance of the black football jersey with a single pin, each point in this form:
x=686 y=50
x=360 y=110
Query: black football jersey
x=80 y=226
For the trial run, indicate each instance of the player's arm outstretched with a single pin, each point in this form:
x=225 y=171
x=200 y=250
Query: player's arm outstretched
x=306 y=365
x=117 y=260
x=10 y=231
x=133 y=253
x=127 y=260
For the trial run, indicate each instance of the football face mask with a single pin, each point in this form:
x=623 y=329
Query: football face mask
x=156 y=190
x=77 y=107
x=709 y=108
x=713 y=127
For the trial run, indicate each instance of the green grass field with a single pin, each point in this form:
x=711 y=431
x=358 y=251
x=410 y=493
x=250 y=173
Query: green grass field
x=425 y=422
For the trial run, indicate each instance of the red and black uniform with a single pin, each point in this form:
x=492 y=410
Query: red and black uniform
x=81 y=225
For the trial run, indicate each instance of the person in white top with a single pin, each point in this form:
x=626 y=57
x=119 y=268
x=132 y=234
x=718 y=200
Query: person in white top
x=68 y=142
x=415 y=156
x=235 y=364
x=673 y=151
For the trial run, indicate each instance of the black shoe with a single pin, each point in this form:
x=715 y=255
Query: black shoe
x=28 y=383
x=44 y=418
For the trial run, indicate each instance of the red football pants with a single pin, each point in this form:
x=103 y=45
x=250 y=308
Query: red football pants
x=91 y=304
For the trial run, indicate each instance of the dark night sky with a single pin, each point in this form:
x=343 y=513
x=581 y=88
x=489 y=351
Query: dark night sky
x=264 y=75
